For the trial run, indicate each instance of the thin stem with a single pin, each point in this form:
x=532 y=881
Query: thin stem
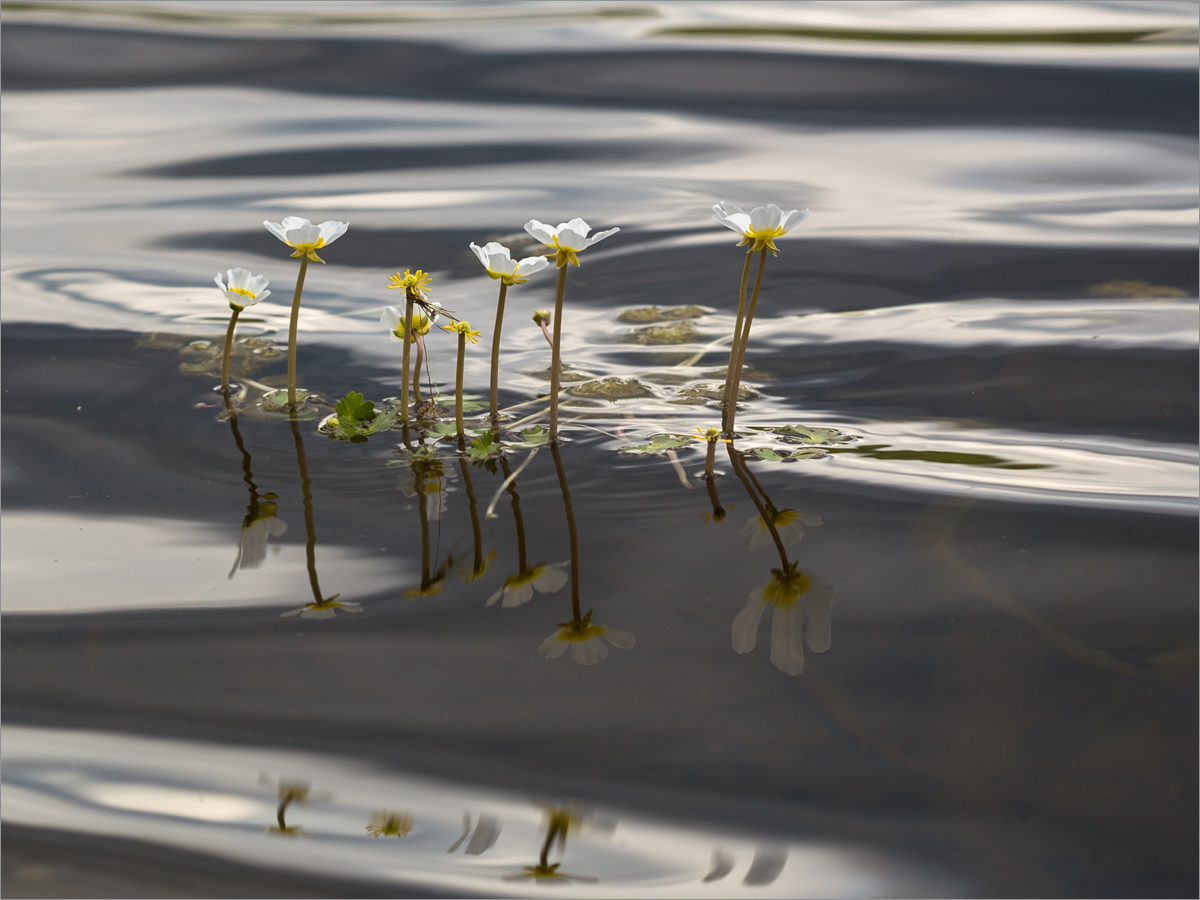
x=458 y=383
x=555 y=356
x=417 y=373
x=423 y=515
x=283 y=805
x=228 y=349
x=735 y=385
x=518 y=519
x=737 y=340
x=743 y=472
x=292 y=333
x=476 y=531
x=718 y=509
x=571 y=533
x=496 y=358
x=310 y=528
x=546 y=332
x=710 y=459
x=408 y=312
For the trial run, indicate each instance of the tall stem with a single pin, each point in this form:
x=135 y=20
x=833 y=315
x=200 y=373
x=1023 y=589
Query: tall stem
x=737 y=340
x=310 y=528
x=407 y=325
x=571 y=533
x=735 y=385
x=556 y=354
x=709 y=459
x=458 y=383
x=228 y=350
x=496 y=358
x=292 y=333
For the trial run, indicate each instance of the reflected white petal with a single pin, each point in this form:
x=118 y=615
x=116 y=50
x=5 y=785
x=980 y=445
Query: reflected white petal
x=552 y=647
x=622 y=640
x=552 y=579
x=588 y=652
x=517 y=595
x=745 y=625
x=787 y=649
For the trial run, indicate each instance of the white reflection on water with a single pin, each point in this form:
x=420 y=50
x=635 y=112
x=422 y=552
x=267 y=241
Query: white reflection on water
x=56 y=562
x=209 y=799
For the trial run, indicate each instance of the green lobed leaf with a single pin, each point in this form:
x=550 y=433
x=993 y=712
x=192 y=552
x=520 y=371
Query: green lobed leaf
x=657 y=444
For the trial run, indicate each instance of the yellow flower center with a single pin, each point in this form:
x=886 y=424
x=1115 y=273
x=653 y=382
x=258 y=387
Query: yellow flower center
x=242 y=291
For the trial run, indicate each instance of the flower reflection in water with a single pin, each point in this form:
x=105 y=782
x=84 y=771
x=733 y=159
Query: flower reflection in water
x=261 y=520
x=518 y=588
x=390 y=824
x=785 y=589
x=560 y=821
x=290 y=792
x=323 y=609
x=586 y=640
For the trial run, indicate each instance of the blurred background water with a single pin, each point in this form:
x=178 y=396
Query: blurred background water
x=995 y=295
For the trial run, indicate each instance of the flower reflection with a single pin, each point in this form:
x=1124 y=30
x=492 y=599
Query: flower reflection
x=390 y=824
x=760 y=226
x=305 y=237
x=587 y=641
x=290 y=792
x=560 y=821
x=783 y=592
x=789 y=525
x=518 y=589
x=256 y=528
x=323 y=609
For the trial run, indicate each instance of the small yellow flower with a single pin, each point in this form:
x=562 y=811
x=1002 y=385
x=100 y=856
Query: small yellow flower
x=418 y=281
x=711 y=435
x=464 y=328
x=390 y=824
x=760 y=226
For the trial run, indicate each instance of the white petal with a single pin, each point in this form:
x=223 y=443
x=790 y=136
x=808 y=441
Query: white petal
x=541 y=231
x=331 y=231
x=588 y=652
x=552 y=647
x=739 y=222
x=762 y=539
x=792 y=219
x=810 y=521
x=276 y=229
x=491 y=601
x=263 y=296
x=745 y=624
x=275 y=526
x=790 y=532
x=531 y=264
x=570 y=239
x=577 y=225
x=597 y=238
x=480 y=254
x=753 y=525
x=551 y=580
x=787 y=650
x=321 y=612
x=305 y=234
x=290 y=223
x=220 y=283
x=253 y=545
x=818 y=603
x=517 y=595
x=350 y=606
x=724 y=209
x=291 y=612
x=622 y=640
x=765 y=218
x=391 y=318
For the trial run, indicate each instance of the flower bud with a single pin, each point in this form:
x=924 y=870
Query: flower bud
x=541 y=316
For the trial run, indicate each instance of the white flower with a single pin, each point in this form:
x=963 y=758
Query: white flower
x=305 y=237
x=789 y=525
x=252 y=546
x=500 y=264
x=518 y=589
x=761 y=226
x=568 y=238
x=784 y=591
x=244 y=289
x=323 y=609
x=585 y=640
x=392 y=318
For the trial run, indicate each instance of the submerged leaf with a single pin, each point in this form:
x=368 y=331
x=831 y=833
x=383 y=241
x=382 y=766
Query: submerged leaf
x=802 y=434
x=659 y=443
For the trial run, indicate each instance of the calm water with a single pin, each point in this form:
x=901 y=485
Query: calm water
x=995 y=297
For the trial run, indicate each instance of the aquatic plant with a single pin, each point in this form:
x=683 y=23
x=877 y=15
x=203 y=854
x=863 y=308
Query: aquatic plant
x=710 y=436
x=355 y=419
x=390 y=824
x=305 y=239
x=244 y=289
x=501 y=267
x=463 y=329
x=517 y=589
x=567 y=240
x=414 y=285
x=758 y=229
x=783 y=592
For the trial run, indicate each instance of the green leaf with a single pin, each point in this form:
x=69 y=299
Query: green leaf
x=355 y=407
x=532 y=437
x=381 y=422
x=802 y=434
x=483 y=447
x=278 y=398
x=443 y=430
x=659 y=443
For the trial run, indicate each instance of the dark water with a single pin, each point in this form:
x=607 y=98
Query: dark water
x=995 y=295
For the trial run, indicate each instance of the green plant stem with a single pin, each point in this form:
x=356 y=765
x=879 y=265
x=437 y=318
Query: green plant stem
x=737 y=340
x=710 y=459
x=233 y=317
x=292 y=333
x=571 y=533
x=743 y=472
x=556 y=354
x=416 y=383
x=496 y=359
x=310 y=528
x=732 y=387
x=518 y=519
x=408 y=312
x=458 y=383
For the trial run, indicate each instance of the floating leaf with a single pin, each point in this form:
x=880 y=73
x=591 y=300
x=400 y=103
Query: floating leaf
x=766 y=453
x=659 y=443
x=802 y=434
x=279 y=398
x=484 y=447
x=532 y=437
x=356 y=408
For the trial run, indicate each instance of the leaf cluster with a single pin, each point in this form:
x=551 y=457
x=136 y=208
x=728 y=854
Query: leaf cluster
x=356 y=419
